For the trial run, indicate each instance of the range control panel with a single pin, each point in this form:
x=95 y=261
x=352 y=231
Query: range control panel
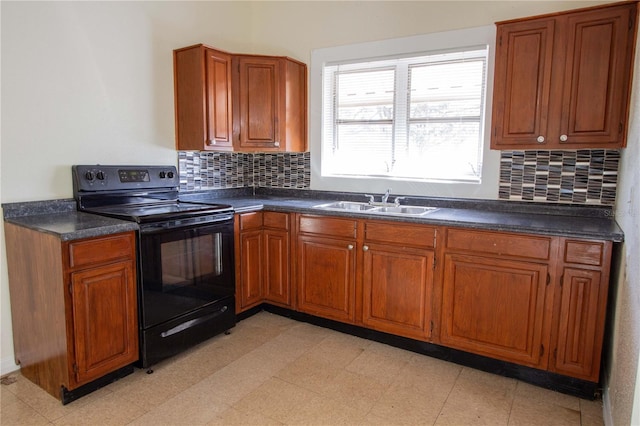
x=113 y=178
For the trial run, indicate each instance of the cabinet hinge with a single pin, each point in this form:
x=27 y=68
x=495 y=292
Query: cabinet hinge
x=70 y=288
x=541 y=350
x=430 y=327
x=75 y=368
x=561 y=280
x=555 y=353
x=548 y=278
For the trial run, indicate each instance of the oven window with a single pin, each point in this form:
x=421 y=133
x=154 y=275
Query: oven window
x=185 y=261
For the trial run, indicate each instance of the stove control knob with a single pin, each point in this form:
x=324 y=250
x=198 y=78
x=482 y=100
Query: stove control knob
x=170 y=175
x=162 y=175
x=89 y=175
x=100 y=175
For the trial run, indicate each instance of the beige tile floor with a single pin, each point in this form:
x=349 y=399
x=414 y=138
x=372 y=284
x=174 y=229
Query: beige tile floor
x=272 y=370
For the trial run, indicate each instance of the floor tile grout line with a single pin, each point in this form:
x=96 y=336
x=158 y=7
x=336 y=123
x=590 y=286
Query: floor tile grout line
x=444 y=403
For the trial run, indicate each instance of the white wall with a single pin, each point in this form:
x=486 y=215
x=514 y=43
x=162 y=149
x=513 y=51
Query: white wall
x=89 y=82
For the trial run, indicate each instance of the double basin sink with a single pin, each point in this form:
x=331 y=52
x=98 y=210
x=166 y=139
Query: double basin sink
x=379 y=208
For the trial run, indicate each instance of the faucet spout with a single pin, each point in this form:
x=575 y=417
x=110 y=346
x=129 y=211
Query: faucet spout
x=385 y=197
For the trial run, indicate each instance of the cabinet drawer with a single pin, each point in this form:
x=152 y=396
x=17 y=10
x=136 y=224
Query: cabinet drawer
x=526 y=246
x=100 y=250
x=328 y=226
x=392 y=232
x=583 y=252
x=276 y=220
x=250 y=221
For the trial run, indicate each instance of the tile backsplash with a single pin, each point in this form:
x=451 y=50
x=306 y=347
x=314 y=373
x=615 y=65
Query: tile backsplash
x=571 y=177
x=221 y=170
x=576 y=177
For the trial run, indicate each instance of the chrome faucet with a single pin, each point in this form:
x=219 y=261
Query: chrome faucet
x=385 y=197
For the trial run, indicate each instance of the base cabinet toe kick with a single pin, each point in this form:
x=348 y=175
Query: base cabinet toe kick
x=524 y=300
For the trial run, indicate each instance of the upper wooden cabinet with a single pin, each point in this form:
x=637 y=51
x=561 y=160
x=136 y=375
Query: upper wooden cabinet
x=203 y=99
x=228 y=102
x=270 y=109
x=562 y=81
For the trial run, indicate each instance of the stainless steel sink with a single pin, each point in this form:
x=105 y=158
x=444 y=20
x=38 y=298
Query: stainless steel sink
x=345 y=205
x=377 y=209
x=405 y=210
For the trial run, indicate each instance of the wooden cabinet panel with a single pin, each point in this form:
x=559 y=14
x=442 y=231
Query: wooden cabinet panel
x=249 y=221
x=522 y=82
x=104 y=320
x=584 y=252
x=251 y=269
x=562 y=81
x=323 y=225
x=581 y=315
x=276 y=259
x=495 y=308
x=596 y=77
x=259 y=103
x=93 y=251
x=326 y=277
x=397 y=286
x=203 y=103
x=499 y=243
x=398 y=233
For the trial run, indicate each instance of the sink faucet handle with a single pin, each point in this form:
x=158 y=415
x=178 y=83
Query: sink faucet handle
x=396 y=200
x=371 y=199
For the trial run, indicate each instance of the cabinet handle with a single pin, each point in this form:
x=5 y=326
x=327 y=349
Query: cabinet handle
x=563 y=138
x=350 y=246
x=540 y=139
x=365 y=248
x=276 y=144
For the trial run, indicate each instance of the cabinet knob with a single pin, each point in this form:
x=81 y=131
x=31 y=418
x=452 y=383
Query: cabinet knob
x=540 y=139
x=350 y=246
x=276 y=144
x=563 y=138
x=365 y=248
x=211 y=142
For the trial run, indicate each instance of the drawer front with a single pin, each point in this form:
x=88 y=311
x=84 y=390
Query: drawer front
x=584 y=252
x=276 y=220
x=526 y=246
x=392 y=232
x=328 y=226
x=250 y=221
x=101 y=250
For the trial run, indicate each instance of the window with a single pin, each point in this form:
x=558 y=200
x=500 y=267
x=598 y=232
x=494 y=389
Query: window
x=416 y=117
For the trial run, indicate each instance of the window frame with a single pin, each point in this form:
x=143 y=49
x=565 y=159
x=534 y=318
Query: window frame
x=444 y=41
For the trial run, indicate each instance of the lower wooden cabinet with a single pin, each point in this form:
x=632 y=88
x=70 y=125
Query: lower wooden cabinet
x=495 y=307
x=74 y=306
x=326 y=267
x=262 y=259
x=580 y=308
x=397 y=276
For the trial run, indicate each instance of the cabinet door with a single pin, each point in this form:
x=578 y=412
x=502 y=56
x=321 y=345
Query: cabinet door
x=596 y=77
x=397 y=290
x=259 y=103
x=105 y=320
x=580 y=323
x=218 y=100
x=251 y=268
x=276 y=260
x=326 y=277
x=495 y=308
x=522 y=83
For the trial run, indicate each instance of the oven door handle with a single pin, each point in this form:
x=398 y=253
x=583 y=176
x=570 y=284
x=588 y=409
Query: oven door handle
x=192 y=323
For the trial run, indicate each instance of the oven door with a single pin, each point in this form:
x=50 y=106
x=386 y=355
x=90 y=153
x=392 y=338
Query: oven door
x=184 y=266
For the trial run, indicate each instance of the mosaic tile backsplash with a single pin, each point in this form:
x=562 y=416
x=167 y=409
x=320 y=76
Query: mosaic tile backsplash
x=577 y=177
x=572 y=177
x=221 y=170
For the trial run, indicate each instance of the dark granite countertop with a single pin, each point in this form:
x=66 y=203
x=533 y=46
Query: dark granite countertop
x=567 y=221
x=60 y=218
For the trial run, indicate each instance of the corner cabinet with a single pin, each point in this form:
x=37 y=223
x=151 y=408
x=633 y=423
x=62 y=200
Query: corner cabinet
x=270 y=109
x=74 y=307
x=246 y=103
x=562 y=81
